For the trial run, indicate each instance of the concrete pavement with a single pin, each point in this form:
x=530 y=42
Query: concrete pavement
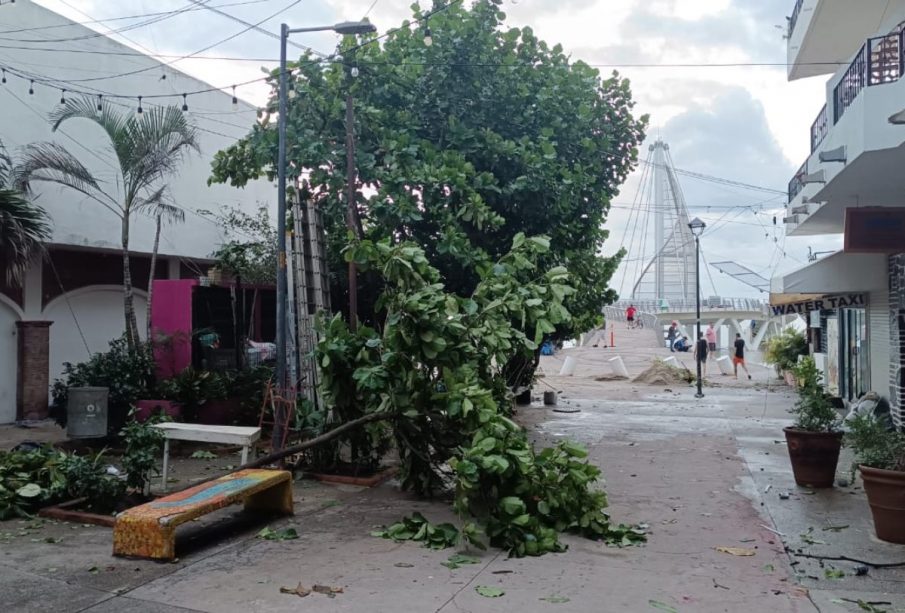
x=702 y=474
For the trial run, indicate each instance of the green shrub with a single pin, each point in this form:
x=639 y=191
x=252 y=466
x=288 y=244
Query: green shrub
x=874 y=444
x=783 y=350
x=128 y=374
x=813 y=410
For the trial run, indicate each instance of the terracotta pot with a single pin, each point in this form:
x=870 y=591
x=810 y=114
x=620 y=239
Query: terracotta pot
x=886 y=495
x=145 y=408
x=814 y=456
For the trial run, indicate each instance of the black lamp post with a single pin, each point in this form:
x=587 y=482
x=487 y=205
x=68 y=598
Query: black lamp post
x=697 y=228
x=345 y=28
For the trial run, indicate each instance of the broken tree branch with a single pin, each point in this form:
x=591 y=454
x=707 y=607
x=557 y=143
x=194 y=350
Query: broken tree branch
x=848 y=559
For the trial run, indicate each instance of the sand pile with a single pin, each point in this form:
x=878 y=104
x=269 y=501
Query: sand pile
x=661 y=373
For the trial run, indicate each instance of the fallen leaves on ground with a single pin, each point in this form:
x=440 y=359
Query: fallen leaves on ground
x=460 y=559
x=833 y=573
x=662 y=606
x=301 y=591
x=555 y=599
x=489 y=592
x=736 y=551
x=286 y=534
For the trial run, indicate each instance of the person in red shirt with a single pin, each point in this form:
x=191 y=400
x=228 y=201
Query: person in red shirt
x=630 y=315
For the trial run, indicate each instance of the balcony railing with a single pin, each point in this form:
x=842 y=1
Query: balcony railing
x=851 y=84
x=819 y=129
x=879 y=61
x=797 y=182
x=794 y=18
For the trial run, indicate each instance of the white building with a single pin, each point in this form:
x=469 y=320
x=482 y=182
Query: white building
x=857 y=163
x=78 y=288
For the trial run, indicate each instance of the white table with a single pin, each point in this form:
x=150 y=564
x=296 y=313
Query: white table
x=226 y=435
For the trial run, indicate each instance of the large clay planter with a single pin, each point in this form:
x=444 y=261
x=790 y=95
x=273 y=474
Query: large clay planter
x=886 y=495
x=814 y=456
x=145 y=408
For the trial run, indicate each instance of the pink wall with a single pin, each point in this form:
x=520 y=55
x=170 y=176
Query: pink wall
x=171 y=325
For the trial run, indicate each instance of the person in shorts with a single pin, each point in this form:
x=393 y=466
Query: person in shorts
x=738 y=359
x=710 y=335
x=630 y=315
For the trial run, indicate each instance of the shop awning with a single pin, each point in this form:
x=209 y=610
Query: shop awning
x=835 y=274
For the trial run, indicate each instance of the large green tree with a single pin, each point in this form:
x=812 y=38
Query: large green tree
x=148 y=148
x=460 y=145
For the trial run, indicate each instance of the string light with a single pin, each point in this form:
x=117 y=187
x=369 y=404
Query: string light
x=354 y=71
x=62 y=96
x=185 y=103
x=428 y=39
x=3 y=80
x=31 y=88
x=100 y=103
x=139 y=110
x=235 y=100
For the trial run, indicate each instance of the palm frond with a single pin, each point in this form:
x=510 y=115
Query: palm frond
x=109 y=118
x=23 y=228
x=159 y=138
x=6 y=167
x=159 y=204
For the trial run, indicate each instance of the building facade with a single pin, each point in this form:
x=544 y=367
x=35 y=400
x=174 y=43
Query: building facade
x=853 y=183
x=70 y=304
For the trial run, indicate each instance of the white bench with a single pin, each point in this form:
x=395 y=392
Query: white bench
x=225 y=435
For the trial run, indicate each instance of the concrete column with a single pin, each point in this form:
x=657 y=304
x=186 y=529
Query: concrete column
x=173 y=269
x=33 y=372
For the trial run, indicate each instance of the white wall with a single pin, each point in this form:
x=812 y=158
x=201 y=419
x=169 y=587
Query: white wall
x=99 y=310
x=76 y=219
x=8 y=319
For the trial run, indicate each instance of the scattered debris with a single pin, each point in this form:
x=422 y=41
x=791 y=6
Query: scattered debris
x=810 y=540
x=661 y=373
x=403 y=565
x=717 y=585
x=768 y=568
x=502 y=572
x=286 y=534
x=609 y=378
x=203 y=455
x=768 y=488
x=328 y=590
x=833 y=573
x=861 y=570
x=835 y=528
x=489 y=592
x=783 y=495
x=662 y=606
x=736 y=551
x=776 y=532
x=555 y=599
x=564 y=410
x=299 y=590
x=460 y=559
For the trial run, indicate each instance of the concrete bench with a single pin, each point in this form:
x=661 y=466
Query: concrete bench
x=200 y=433
x=149 y=530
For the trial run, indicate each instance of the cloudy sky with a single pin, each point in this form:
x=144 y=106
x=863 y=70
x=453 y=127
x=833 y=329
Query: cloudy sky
x=744 y=123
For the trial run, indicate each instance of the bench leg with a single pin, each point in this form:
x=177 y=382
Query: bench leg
x=276 y=499
x=166 y=462
x=244 y=455
x=143 y=540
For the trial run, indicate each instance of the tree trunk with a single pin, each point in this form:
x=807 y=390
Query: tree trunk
x=132 y=337
x=150 y=336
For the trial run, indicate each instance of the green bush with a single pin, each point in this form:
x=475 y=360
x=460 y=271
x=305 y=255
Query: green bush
x=128 y=374
x=814 y=410
x=783 y=350
x=875 y=444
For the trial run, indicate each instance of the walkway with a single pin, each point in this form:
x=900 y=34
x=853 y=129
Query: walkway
x=703 y=474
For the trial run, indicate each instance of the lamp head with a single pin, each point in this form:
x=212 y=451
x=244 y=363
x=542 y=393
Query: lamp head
x=354 y=27
x=697 y=226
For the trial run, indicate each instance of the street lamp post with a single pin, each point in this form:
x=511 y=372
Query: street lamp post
x=349 y=27
x=697 y=228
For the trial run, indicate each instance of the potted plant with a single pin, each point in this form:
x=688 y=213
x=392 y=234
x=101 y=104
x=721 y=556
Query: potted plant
x=880 y=457
x=814 y=440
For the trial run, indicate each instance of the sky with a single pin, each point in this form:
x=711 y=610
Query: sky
x=748 y=124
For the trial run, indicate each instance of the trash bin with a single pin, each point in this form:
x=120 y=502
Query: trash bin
x=86 y=412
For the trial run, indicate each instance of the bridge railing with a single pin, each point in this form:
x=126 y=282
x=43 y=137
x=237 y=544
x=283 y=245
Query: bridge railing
x=707 y=304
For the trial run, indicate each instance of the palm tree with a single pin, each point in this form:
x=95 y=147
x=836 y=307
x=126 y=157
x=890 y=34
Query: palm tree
x=23 y=225
x=148 y=147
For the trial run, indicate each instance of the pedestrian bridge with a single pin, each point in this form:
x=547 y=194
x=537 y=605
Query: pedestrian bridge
x=736 y=313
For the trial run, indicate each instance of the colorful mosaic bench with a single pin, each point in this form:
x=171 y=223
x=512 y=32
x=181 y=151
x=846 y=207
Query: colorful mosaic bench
x=149 y=530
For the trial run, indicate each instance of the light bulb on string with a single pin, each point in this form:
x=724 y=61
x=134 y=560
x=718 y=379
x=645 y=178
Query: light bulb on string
x=354 y=72
x=3 y=80
x=100 y=103
x=235 y=100
x=62 y=96
x=185 y=104
x=428 y=39
x=31 y=88
x=139 y=110
x=292 y=94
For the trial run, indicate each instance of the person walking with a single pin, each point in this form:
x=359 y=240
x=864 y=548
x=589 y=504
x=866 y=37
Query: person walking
x=700 y=353
x=630 y=315
x=671 y=335
x=710 y=335
x=739 y=358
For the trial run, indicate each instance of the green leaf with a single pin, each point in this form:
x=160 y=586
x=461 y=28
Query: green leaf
x=286 y=534
x=833 y=573
x=662 y=606
x=555 y=599
x=489 y=592
x=203 y=455
x=30 y=490
x=512 y=505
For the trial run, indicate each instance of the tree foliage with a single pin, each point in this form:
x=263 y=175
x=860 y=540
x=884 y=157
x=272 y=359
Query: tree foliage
x=24 y=226
x=460 y=146
x=434 y=367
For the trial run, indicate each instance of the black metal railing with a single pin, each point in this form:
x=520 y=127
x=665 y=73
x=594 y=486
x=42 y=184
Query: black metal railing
x=794 y=18
x=797 y=182
x=819 y=129
x=850 y=85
